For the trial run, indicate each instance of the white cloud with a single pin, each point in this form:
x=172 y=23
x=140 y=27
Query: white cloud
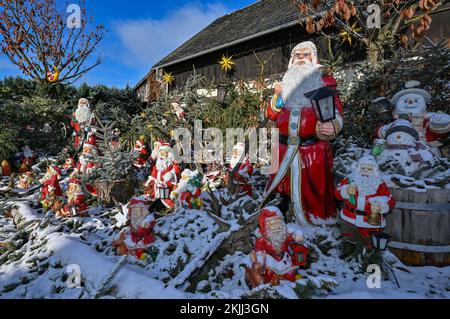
x=146 y=41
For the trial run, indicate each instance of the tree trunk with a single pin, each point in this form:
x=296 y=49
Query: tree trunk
x=109 y=192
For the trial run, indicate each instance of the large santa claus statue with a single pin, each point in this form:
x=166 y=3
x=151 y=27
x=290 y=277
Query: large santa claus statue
x=278 y=252
x=81 y=118
x=51 y=193
x=404 y=148
x=137 y=239
x=305 y=154
x=76 y=200
x=366 y=197
x=411 y=104
x=243 y=175
x=164 y=176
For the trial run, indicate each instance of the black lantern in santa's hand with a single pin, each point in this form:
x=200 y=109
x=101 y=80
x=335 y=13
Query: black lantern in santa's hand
x=323 y=103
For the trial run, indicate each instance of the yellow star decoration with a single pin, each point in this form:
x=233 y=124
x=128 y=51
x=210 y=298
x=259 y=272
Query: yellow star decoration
x=346 y=36
x=168 y=78
x=226 y=63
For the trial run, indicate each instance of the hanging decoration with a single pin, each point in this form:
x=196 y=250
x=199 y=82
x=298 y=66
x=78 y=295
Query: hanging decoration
x=226 y=63
x=168 y=78
x=347 y=35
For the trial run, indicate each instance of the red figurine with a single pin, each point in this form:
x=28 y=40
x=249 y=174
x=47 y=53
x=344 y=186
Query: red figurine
x=51 y=190
x=244 y=174
x=164 y=176
x=140 y=152
x=366 y=198
x=304 y=150
x=278 y=252
x=80 y=119
x=139 y=236
x=76 y=204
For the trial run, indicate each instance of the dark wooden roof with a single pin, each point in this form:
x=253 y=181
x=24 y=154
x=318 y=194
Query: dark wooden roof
x=262 y=16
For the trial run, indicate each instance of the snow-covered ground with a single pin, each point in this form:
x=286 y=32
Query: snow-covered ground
x=43 y=251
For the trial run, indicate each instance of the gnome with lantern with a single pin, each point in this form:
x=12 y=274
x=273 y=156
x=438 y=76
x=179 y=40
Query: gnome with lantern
x=138 y=237
x=411 y=104
x=164 y=176
x=278 y=252
x=76 y=203
x=366 y=197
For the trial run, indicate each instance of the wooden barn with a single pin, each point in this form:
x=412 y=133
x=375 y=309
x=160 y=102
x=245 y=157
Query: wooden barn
x=263 y=30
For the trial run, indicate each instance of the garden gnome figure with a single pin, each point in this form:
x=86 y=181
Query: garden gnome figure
x=366 y=197
x=138 y=237
x=304 y=149
x=164 y=176
x=140 y=152
x=273 y=257
x=243 y=176
x=25 y=180
x=188 y=191
x=51 y=192
x=76 y=203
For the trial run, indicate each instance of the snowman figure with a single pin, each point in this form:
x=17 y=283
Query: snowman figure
x=403 y=147
x=411 y=104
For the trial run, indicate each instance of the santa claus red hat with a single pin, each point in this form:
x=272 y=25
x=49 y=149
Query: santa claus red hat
x=55 y=170
x=139 y=202
x=267 y=213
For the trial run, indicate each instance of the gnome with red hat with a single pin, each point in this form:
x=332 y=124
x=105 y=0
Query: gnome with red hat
x=137 y=239
x=51 y=194
x=76 y=204
x=244 y=172
x=278 y=251
x=140 y=152
x=164 y=176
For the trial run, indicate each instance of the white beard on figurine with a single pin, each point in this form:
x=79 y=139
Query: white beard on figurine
x=405 y=149
x=83 y=113
x=238 y=155
x=298 y=80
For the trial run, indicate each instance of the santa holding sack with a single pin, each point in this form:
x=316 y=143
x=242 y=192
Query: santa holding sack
x=366 y=197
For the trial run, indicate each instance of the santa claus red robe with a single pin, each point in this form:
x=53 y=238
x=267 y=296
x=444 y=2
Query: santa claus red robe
x=317 y=187
x=53 y=181
x=151 y=188
x=242 y=177
x=357 y=213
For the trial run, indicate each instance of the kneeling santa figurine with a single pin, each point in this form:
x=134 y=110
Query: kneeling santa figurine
x=366 y=197
x=278 y=252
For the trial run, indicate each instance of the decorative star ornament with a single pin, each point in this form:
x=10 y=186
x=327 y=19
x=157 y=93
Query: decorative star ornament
x=347 y=35
x=168 y=78
x=226 y=63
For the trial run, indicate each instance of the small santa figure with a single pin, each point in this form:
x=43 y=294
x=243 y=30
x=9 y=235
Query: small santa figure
x=86 y=163
x=403 y=146
x=81 y=118
x=243 y=175
x=140 y=152
x=164 y=176
x=411 y=104
x=366 y=197
x=137 y=239
x=51 y=193
x=188 y=190
x=25 y=180
x=28 y=156
x=76 y=204
x=179 y=111
x=69 y=163
x=278 y=252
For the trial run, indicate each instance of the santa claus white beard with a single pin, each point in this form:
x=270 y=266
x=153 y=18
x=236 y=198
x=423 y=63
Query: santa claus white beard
x=367 y=185
x=277 y=238
x=163 y=164
x=83 y=114
x=298 y=80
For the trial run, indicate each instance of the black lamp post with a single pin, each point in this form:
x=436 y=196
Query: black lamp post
x=380 y=240
x=323 y=103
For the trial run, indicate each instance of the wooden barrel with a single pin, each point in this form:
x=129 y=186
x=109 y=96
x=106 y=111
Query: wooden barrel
x=420 y=227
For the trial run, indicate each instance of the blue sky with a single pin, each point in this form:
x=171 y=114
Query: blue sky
x=140 y=33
